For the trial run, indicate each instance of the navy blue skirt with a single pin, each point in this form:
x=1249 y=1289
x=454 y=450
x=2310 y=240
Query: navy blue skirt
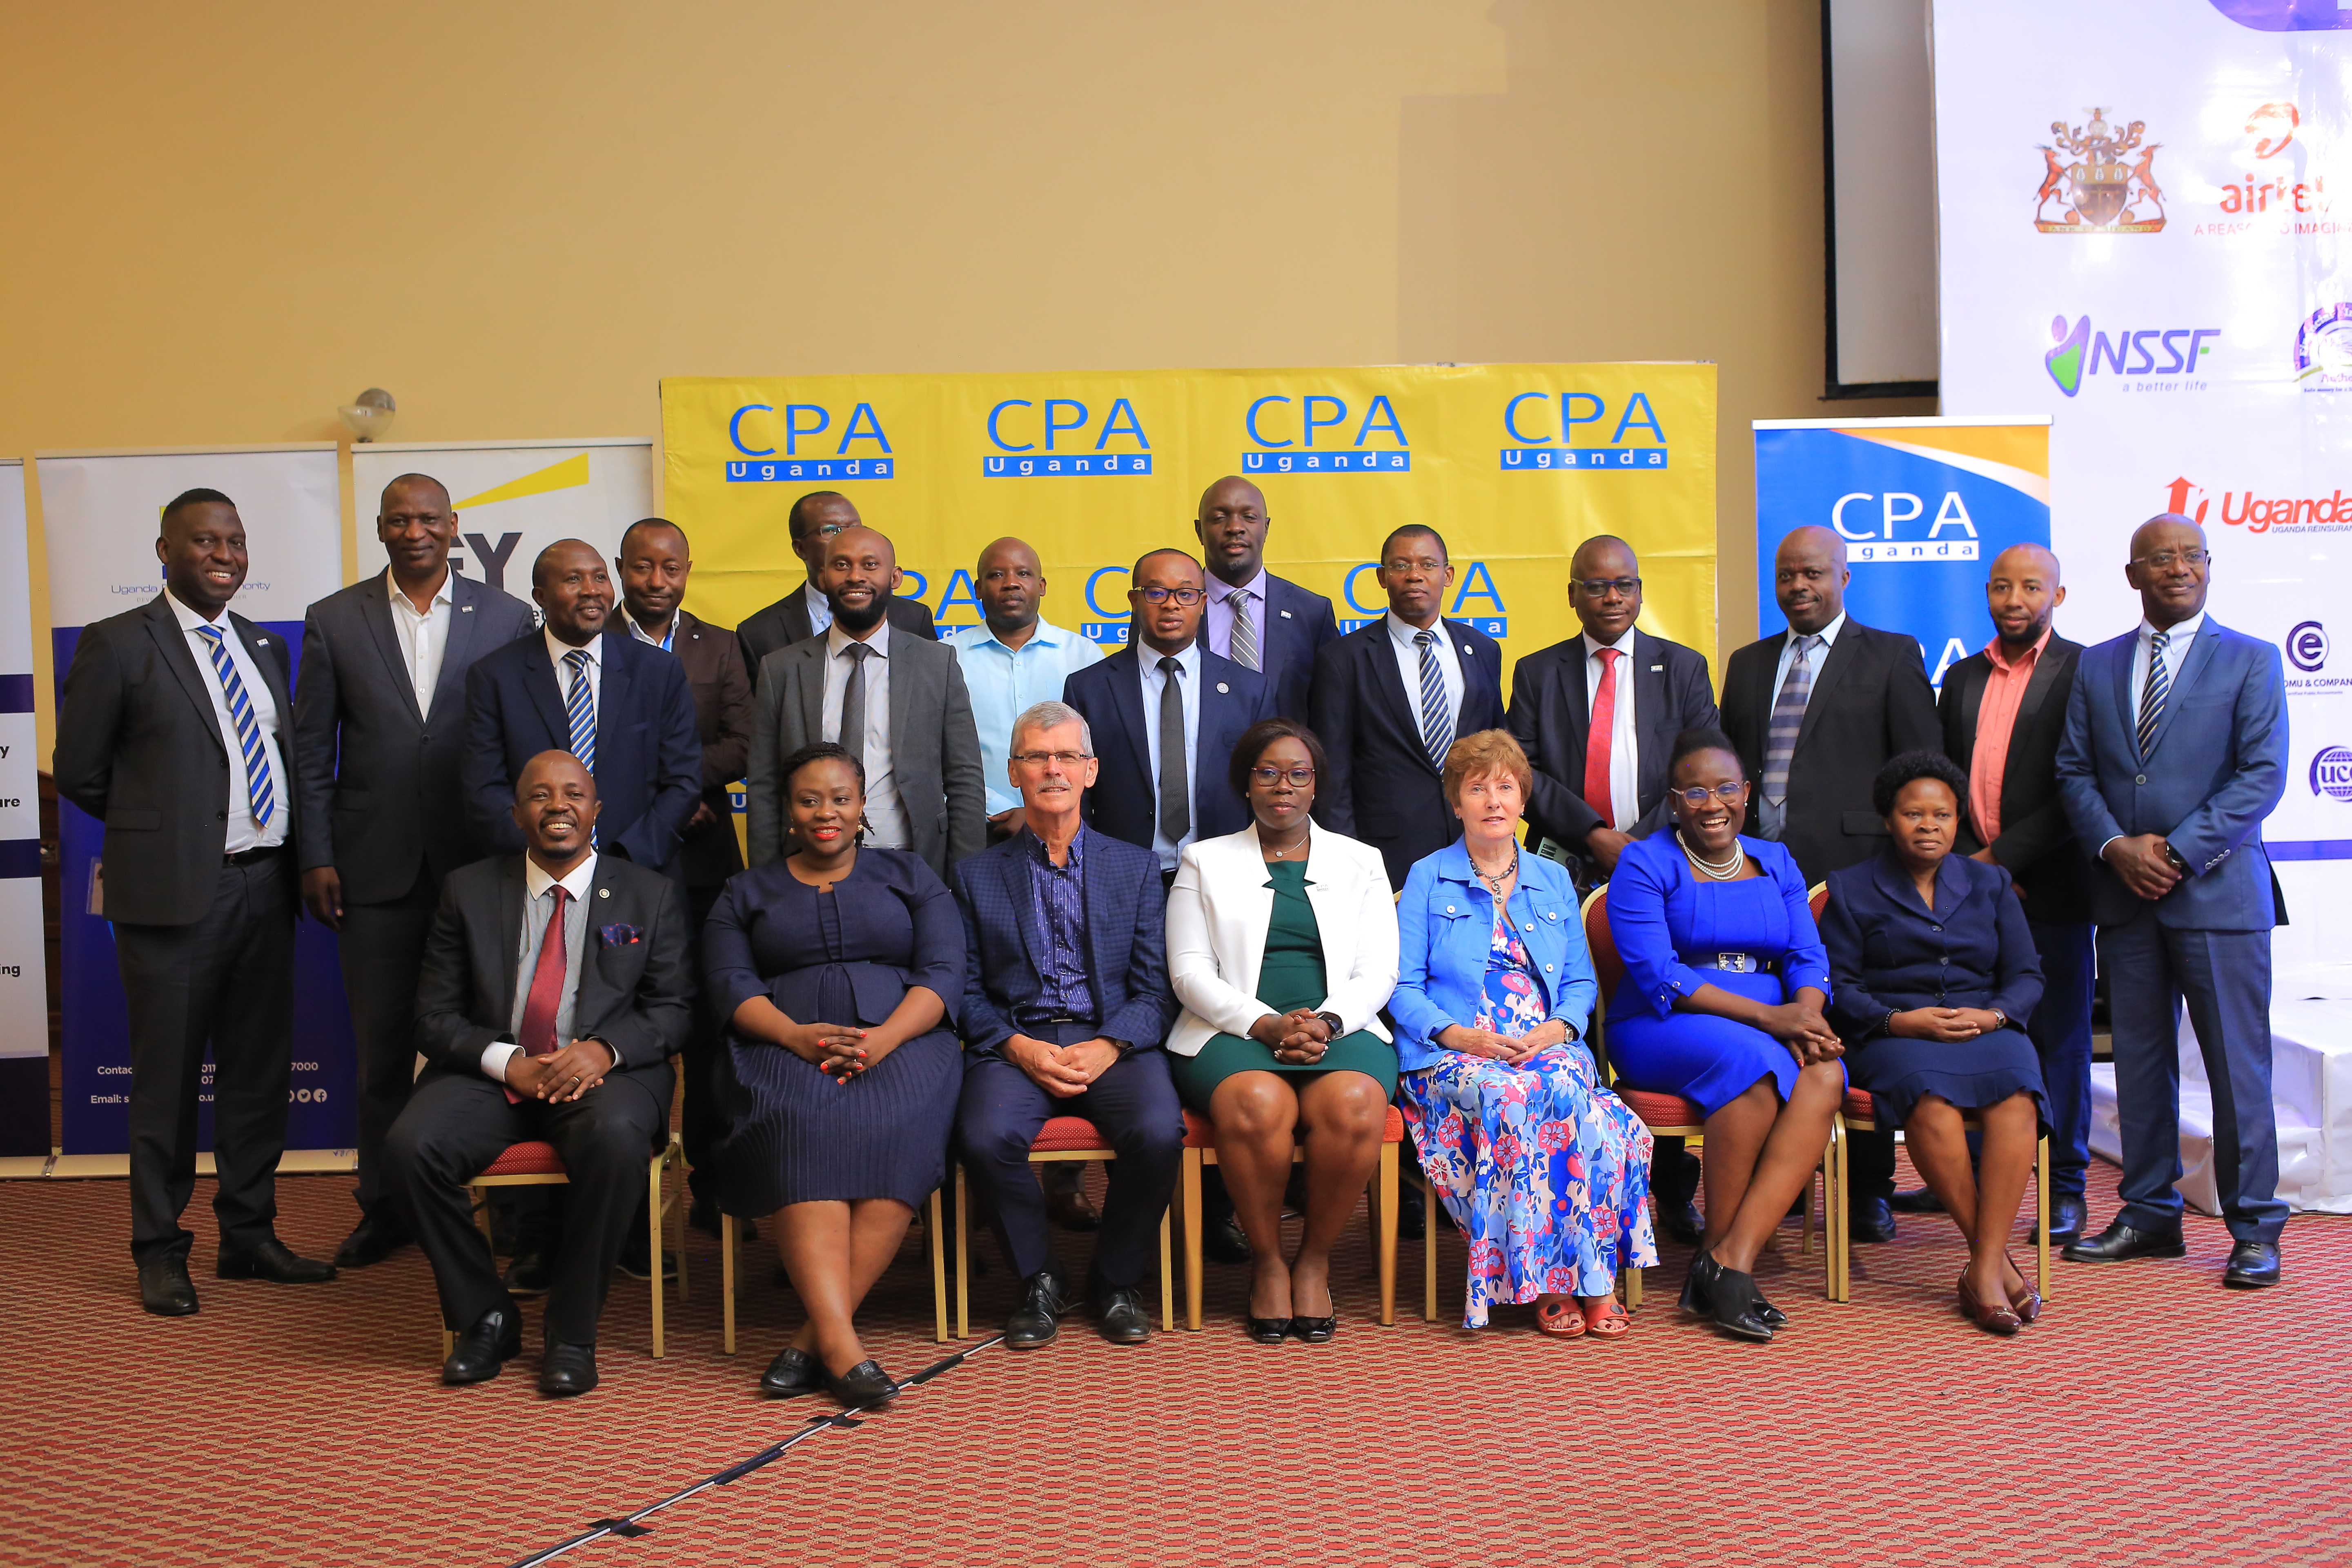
x=1972 y=1074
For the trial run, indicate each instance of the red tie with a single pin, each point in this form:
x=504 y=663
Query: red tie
x=539 y=1009
x=1596 y=744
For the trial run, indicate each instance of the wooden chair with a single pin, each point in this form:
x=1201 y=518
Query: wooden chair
x=1860 y=1114
x=727 y=1234
x=1201 y=1151
x=1063 y=1138
x=535 y=1163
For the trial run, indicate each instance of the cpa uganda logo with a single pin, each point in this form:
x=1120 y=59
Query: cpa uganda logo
x=2105 y=188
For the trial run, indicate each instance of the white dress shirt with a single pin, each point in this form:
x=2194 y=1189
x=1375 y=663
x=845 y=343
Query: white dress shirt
x=1624 y=740
x=885 y=812
x=1408 y=657
x=243 y=834
x=1217 y=619
x=2176 y=654
x=1006 y=682
x=1773 y=816
x=556 y=648
x=1189 y=684
x=423 y=638
x=669 y=632
x=536 y=911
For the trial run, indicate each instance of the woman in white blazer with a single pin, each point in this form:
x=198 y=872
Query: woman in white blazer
x=1282 y=946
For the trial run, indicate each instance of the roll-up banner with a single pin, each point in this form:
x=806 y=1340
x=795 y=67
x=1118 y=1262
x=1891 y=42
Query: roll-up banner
x=24 y=978
x=101 y=515
x=513 y=498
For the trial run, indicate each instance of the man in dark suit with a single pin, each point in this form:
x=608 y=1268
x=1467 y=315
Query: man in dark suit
x=803 y=613
x=1816 y=712
x=555 y=986
x=379 y=713
x=169 y=733
x=1165 y=712
x=2175 y=751
x=894 y=697
x=1259 y=621
x=1598 y=715
x=1389 y=699
x=1065 y=1008
x=2005 y=713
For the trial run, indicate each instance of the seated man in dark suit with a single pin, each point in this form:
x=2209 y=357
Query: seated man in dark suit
x=566 y=1039
x=803 y=613
x=1065 y=1006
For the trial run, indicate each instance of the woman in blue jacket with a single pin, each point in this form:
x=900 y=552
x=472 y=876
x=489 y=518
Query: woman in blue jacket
x=1545 y=1171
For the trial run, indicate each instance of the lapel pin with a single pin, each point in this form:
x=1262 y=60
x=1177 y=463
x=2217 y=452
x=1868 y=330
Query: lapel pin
x=1656 y=668
x=1285 y=615
x=604 y=892
x=1222 y=687
x=464 y=609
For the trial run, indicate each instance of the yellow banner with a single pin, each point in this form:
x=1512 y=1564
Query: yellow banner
x=1513 y=464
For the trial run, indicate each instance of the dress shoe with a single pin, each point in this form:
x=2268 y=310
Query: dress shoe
x=1725 y=1295
x=1222 y=1241
x=1067 y=1207
x=495 y=1339
x=1996 y=1317
x=1771 y=1316
x=373 y=1239
x=1033 y=1322
x=566 y=1369
x=632 y=1262
x=2067 y=1217
x=2119 y=1241
x=1682 y=1221
x=1412 y=1214
x=863 y=1384
x=164 y=1288
x=1869 y=1220
x=1916 y=1200
x=272 y=1261
x=528 y=1274
x=2253 y=1266
x=793 y=1373
x=1315 y=1330
x=1121 y=1316
x=1266 y=1331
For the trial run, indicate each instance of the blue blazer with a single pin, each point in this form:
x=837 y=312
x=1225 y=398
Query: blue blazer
x=1888 y=952
x=1445 y=923
x=2217 y=768
x=1124 y=801
x=1126 y=942
x=1654 y=922
x=1297 y=624
x=649 y=755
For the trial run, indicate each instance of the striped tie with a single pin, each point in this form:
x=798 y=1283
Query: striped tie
x=258 y=791
x=2152 y=696
x=580 y=708
x=1245 y=639
x=1788 y=718
x=1436 y=717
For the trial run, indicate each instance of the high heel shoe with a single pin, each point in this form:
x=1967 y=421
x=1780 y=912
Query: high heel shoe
x=1268 y=1331
x=1771 y=1315
x=1993 y=1318
x=1731 y=1296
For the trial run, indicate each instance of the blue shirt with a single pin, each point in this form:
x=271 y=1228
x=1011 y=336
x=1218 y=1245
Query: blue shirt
x=1006 y=682
x=1445 y=929
x=1057 y=901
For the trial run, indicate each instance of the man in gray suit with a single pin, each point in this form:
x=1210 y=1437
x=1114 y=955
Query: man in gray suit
x=803 y=613
x=895 y=699
x=379 y=716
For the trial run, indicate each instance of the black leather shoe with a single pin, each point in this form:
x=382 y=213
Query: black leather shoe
x=272 y=1261
x=1728 y=1297
x=2254 y=1265
x=1682 y=1221
x=1066 y=1201
x=793 y=1373
x=373 y=1239
x=1033 y=1322
x=495 y=1339
x=566 y=1369
x=2120 y=1241
x=1915 y=1200
x=1412 y=1214
x=1222 y=1241
x=1122 y=1317
x=1266 y=1331
x=528 y=1274
x=865 y=1384
x=1771 y=1316
x=2067 y=1217
x=633 y=1263
x=1869 y=1220
x=164 y=1288
x=1315 y=1330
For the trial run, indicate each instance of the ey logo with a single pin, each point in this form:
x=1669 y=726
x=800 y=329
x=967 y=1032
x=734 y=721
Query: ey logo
x=1545 y=441
x=1309 y=436
x=860 y=451
x=1050 y=442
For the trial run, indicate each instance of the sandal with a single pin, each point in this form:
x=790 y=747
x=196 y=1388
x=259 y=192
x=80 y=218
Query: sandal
x=1606 y=1320
x=1560 y=1318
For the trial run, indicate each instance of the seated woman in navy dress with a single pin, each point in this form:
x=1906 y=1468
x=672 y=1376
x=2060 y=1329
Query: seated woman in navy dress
x=1936 y=975
x=838 y=1077
x=1722 y=1004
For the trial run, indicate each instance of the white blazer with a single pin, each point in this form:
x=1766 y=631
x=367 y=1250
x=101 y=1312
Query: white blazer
x=1217 y=915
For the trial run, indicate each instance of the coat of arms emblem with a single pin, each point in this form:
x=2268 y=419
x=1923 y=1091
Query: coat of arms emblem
x=2101 y=179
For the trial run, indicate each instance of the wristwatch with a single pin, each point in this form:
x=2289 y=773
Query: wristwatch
x=2001 y=1019
x=1331 y=1022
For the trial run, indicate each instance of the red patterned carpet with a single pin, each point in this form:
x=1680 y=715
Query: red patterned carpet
x=2150 y=1418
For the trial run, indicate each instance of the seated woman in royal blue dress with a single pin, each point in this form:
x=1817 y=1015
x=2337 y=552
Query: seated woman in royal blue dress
x=1722 y=1004
x=1937 y=973
x=1545 y=1171
x=838 y=1081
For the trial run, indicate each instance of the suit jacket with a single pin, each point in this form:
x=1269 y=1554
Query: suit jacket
x=786 y=622
x=934 y=745
x=1870 y=701
x=381 y=800
x=2216 y=767
x=1382 y=788
x=722 y=721
x=1297 y=624
x=1126 y=943
x=1124 y=801
x=635 y=986
x=1888 y=950
x=1551 y=715
x=140 y=749
x=2037 y=844
x=648 y=761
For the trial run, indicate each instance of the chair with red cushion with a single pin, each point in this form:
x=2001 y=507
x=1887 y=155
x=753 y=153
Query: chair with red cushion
x=1062 y=1138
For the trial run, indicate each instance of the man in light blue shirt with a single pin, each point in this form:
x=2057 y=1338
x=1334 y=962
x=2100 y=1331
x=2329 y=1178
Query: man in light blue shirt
x=1012 y=662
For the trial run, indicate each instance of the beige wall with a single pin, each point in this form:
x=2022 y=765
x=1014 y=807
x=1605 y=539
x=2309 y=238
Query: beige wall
x=223 y=221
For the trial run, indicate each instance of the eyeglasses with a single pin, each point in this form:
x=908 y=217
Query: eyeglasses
x=1597 y=587
x=2165 y=559
x=1696 y=794
x=1188 y=597
x=1066 y=761
x=822 y=531
x=1270 y=776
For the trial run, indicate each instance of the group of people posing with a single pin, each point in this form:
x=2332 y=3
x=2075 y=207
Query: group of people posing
x=1243 y=865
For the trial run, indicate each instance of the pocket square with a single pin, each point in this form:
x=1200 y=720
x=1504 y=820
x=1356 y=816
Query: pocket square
x=622 y=936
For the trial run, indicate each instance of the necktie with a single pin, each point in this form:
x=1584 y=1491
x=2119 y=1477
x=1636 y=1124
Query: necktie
x=580 y=709
x=537 y=1036
x=2152 y=695
x=1244 y=641
x=259 y=793
x=1788 y=718
x=1175 y=793
x=1436 y=716
x=852 y=737
x=1596 y=744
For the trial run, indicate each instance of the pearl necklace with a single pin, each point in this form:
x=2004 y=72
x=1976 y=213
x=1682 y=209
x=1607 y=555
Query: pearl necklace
x=1715 y=871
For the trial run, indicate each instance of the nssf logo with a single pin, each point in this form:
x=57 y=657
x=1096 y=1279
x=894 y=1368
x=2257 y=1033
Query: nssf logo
x=2168 y=357
x=861 y=450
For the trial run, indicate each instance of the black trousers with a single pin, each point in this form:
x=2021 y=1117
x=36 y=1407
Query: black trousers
x=457 y=1122
x=226 y=982
x=383 y=950
x=698 y=1117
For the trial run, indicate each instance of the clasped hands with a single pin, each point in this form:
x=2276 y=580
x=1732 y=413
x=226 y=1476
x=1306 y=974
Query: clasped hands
x=1062 y=1072
x=1801 y=1026
x=840 y=1051
x=561 y=1075
x=2140 y=860
x=1511 y=1050
x=1943 y=1023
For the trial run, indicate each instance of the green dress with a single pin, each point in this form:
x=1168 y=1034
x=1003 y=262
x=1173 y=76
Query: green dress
x=1291 y=977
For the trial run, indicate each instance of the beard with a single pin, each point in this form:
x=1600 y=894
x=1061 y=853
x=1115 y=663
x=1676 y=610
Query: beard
x=865 y=620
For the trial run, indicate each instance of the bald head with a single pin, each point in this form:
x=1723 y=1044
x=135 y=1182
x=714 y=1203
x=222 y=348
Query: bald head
x=815 y=517
x=2171 y=568
x=572 y=587
x=2022 y=592
x=1607 y=611
x=1809 y=578
x=1231 y=525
